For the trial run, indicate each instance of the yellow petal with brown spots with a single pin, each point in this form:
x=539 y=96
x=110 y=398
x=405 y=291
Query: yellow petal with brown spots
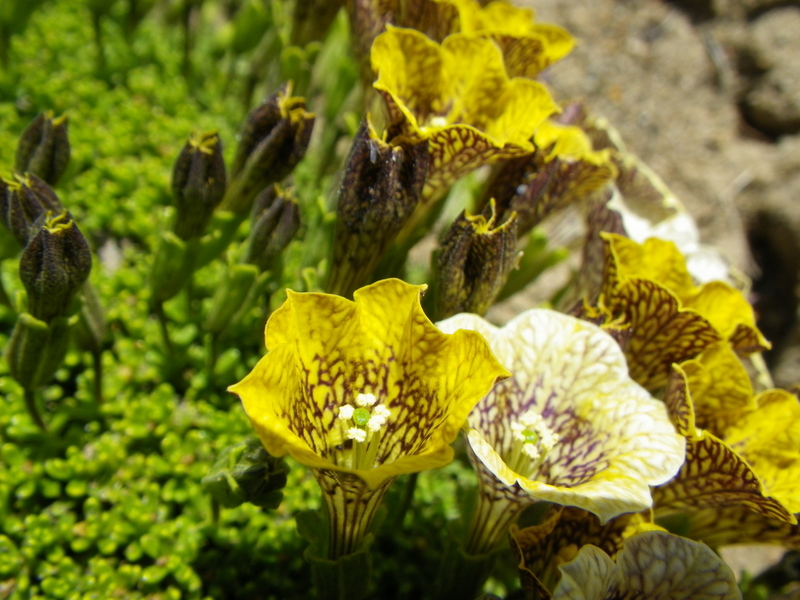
x=326 y=351
x=721 y=388
x=730 y=313
x=541 y=549
x=459 y=97
x=739 y=525
x=654 y=565
x=769 y=439
x=661 y=332
x=714 y=473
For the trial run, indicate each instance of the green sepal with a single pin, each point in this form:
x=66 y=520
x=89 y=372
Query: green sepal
x=231 y=296
x=462 y=575
x=346 y=578
x=172 y=266
x=245 y=472
x=37 y=349
x=91 y=328
x=536 y=259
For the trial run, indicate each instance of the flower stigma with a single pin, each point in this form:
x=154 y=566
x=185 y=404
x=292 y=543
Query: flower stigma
x=361 y=424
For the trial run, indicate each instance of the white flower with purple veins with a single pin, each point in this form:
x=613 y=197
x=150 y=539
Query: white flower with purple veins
x=569 y=427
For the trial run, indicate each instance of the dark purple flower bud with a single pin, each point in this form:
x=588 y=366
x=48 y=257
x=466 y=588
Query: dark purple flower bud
x=43 y=148
x=380 y=189
x=22 y=201
x=54 y=266
x=274 y=138
x=276 y=219
x=474 y=261
x=198 y=184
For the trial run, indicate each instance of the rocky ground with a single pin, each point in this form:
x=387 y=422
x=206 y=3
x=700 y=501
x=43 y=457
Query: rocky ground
x=707 y=92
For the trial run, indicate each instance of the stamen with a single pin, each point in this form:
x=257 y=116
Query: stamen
x=357 y=434
x=346 y=412
x=366 y=399
x=533 y=439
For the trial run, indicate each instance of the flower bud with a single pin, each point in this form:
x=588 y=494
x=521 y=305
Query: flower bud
x=22 y=201
x=379 y=192
x=474 y=262
x=276 y=219
x=43 y=148
x=274 y=138
x=563 y=170
x=54 y=266
x=198 y=184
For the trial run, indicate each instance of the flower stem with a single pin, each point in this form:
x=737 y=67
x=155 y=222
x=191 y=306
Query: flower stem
x=158 y=308
x=30 y=404
x=97 y=360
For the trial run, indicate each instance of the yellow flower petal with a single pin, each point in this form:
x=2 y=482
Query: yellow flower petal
x=656 y=260
x=721 y=389
x=739 y=525
x=661 y=262
x=459 y=97
x=527 y=47
x=769 y=439
x=635 y=287
x=542 y=548
x=324 y=351
x=661 y=332
x=615 y=439
x=730 y=313
x=654 y=565
x=714 y=474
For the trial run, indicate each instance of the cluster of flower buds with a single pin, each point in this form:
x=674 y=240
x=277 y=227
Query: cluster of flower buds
x=273 y=139
x=55 y=261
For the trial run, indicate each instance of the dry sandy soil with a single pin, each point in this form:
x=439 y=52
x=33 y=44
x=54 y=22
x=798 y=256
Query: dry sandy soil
x=707 y=92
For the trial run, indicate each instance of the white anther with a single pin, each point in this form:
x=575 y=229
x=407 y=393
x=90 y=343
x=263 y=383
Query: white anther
x=381 y=411
x=366 y=399
x=531 y=451
x=375 y=423
x=346 y=412
x=354 y=433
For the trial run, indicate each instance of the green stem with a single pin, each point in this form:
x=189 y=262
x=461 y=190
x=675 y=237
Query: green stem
x=97 y=26
x=186 y=22
x=216 y=510
x=212 y=355
x=97 y=362
x=4 y=298
x=158 y=308
x=30 y=404
x=5 y=49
